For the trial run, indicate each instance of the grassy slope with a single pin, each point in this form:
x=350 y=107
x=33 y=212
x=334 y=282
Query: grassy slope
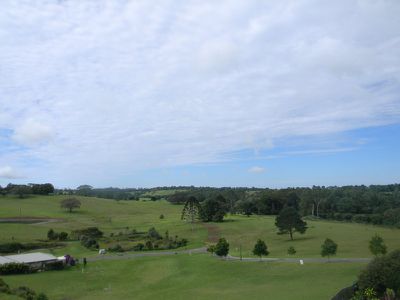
x=352 y=238
x=108 y=215
x=192 y=277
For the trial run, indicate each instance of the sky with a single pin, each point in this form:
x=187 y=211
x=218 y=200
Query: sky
x=205 y=93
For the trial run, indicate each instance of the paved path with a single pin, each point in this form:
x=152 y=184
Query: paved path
x=123 y=256
x=144 y=254
x=305 y=260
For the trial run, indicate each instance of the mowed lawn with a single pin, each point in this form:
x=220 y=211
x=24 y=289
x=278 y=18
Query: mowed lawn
x=352 y=239
x=192 y=277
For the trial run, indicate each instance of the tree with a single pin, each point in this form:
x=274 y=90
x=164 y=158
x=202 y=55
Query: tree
x=377 y=245
x=328 y=248
x=260 y=249
x=291 y=250
x=214 y=209
x=222 y=247
x=191 y=210
x=51 y=235
x=70 y=204
x=289 y=221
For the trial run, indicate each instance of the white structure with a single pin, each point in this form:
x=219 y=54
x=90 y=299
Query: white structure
x=33 y=259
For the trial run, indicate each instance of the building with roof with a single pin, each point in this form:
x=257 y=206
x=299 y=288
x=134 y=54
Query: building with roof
x=35 y=260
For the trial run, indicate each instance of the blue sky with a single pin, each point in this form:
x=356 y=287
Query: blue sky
x=227 y=93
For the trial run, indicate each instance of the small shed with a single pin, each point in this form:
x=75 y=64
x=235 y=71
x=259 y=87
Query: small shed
x=36 y=259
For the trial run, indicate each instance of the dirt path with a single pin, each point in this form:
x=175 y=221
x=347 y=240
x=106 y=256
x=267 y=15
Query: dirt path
x=212 y=231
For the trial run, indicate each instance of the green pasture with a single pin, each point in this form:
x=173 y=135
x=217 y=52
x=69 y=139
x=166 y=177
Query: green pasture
x=192 y=277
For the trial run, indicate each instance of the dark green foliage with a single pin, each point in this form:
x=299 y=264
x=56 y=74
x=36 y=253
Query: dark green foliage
x=15 y=247
x=328 y=248
x=153 y=234
x=92 y=232
x=22 y=292
x=15 y=268
x=51 y=235
x=57 y=265
x=42 y=189
x=382 y=273
x=62 y=236
x=162 y=217
x=291 y=250
x=377 y=245
x=211 y=249
x=41 y=296
x=260 y=248
x=70 y=204
x=116 y=248
x=222 y=247
x=214 y=209
x=138 y=247
x=289 y=221
x=246 y=207
x=149 y=245
x=89 y=242
x=25 y=293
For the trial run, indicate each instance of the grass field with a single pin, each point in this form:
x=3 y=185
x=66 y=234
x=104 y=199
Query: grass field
x=192 y=277
x=182 y=276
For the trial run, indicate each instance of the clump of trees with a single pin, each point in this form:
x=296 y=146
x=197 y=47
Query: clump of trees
x=289 y=221
x=23 y=190
x=70 y=204
x=60 y=236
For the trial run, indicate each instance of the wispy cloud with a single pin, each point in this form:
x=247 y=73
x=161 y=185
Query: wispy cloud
x=100 y=88
x=256 y=170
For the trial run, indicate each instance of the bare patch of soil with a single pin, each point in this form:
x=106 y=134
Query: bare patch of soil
x=213 y=232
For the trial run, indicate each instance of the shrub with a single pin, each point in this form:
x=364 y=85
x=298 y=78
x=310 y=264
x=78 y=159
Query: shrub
x=138 y=247
x=222 y=247
x=92 y=232
x=291 y=250
x=24 y=292
x=116 y=248
x=153 y=233
x=382 y=273
x=89 y=242
x=15 y=268
x=4 y=288
x=62 y=236
x=149 y=245
x=58 y=265
x=161 y=216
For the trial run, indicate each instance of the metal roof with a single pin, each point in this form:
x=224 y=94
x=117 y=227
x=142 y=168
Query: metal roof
x=27 y=258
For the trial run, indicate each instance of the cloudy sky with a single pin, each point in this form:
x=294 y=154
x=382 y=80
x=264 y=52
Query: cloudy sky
x=221 y=93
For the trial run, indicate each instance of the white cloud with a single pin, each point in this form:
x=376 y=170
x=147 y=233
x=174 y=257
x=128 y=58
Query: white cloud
x=119 y=86
x=256 y=169
x=8 y=172
x=31 y=132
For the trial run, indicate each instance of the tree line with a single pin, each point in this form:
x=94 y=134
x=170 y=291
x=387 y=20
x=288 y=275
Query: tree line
x=375 y=204
x=22 y=190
